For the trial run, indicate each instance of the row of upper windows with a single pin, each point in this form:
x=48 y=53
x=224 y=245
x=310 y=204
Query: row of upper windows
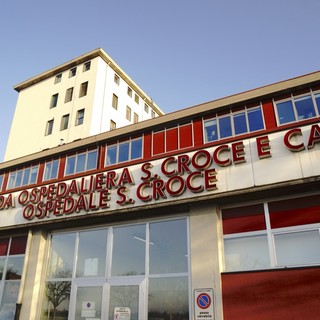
x=298 y=108
x=80 y=162
x=69 y=95
x=64 y=123
x=72 y=72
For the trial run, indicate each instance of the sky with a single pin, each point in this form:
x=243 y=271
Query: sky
x=180 y=52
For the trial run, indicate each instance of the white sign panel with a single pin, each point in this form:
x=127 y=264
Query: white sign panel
x=203 y=304
x=122 y=313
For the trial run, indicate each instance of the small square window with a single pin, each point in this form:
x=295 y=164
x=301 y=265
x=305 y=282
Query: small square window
x=135 y=118
x=129 y=92
x=113 y=125
x=86 y=66
x=72 y=72
x=54 y=101
x=69 y=94
x=57 y=78
x=64 y=122
x=49 y=127
x=80 y=117
x=136 y=98
x=128 y=113
x=116 y=79
x=83 y=89
x=114 y=101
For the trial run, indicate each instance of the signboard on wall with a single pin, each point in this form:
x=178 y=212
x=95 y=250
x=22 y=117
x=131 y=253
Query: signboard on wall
x=203 y=304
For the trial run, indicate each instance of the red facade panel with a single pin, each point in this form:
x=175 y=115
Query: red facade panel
x=272 y=294
x=243 y=219
x=18 y=245
x=158 y=143
x=185 y=134
x=147 y=146
x=294 y=212
x=269 y=115
x=197 y=132
x=171 y=139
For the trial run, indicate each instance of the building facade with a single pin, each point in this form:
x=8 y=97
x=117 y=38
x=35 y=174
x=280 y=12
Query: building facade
x=212 y=212
x=80 y=98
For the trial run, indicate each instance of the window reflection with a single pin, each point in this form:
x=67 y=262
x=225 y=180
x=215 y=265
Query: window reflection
x=169 y=251
x=168 y=299
x=89 y=301
x=128 y=256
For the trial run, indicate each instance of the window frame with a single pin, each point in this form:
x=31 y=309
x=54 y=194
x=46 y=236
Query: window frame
x=58 y=78
x=69 y=95
x=128 y=113
x=32 y=173
x=72 y=72
x=86 y=66
x=77 y=157
x=54 y=100
x=49 y=127
x=80 y=117
x=83 y=89
x=64 y=122
x=115 y=101
x=53 y=163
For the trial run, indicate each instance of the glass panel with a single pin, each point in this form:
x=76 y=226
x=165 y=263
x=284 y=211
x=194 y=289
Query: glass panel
x=34 y=173
x=54 y=169
x=211 y=130
x=124 y=152
x=297 y=248
x=14 y=268
x=92 y=253
x=92 y=160
x=225 y=127
x=56 y=302
x=168 y=299
x=247 y=253
x=128 y=256
x=71 y=161
x=136 y=149
x=240 y=123
x=285 y=112
x=12 y=179
x=47 y=171
x=9 y=299
x=62 y=253
x=168 y=247
x=2 y=260
x=89 y=301
x=317 y=97
x=18 y=245
x=305 y=108
x=125 y=297
x=81 y=161
x=26 y=177
x=19 y=179
x=255 y=119
x=111 y=155
x=1 y=180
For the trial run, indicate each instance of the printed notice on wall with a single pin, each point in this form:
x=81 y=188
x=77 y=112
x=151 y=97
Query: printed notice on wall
x=122 y=313
x=203 y=304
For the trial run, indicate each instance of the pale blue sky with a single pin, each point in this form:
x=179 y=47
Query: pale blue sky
x=180 y=52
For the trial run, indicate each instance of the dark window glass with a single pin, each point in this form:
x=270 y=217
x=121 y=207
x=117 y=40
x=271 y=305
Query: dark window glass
x=285 y=112
x=92 y=160
x=211 y=130
x=240 y=123
x=81 y=161
x=255 y=119
x=136 y=149
x=124 y=152
x=225 y=127
x=111 y=155
x=305 y=108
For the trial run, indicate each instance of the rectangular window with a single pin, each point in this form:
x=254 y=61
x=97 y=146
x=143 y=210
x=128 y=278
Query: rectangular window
x=128 y=113
x=116 y=79
x=83 y=89
x=298 y=108
x=80 y=117
x=72 y=72
x=86 y=66
x=1 y=181
x=255 y=119
x=57 y=78
x=64 y=122
x=113 y=125
x=69 y=94
x=49 y=127
x=23 y=177
x=211 y=130
x=114 y=101
x=136 y=98
x=135 y=118
x=129 y=92
x=153 y=114
x=146 y=108
x=11 y=268
x=81 y=162
x=225 y=129
x=124 y=151
x=54 y=100
x=51 y=170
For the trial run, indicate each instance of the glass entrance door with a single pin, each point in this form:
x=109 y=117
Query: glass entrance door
x=119 y=300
